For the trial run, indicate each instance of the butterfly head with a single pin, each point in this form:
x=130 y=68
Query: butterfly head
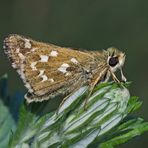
x=115 y=60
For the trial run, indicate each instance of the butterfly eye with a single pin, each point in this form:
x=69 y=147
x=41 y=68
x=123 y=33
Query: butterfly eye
x=113 y=61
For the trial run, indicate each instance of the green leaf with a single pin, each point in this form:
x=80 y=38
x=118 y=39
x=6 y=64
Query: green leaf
x=126 y=131
x=104 y=124
x=7 y=125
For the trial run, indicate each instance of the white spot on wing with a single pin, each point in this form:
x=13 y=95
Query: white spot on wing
x=29 y=87
x=4 y=47
x=33 y=65
x=51 y=80
x=21 y=73
x=21 y=56
x=74 y=60
x=41 y=73
x=44 y=58
x=54 y=53
x=14 y=65
x=44 y=77
x=27 y=43
x=17 y=50
x=33 y=49
x=68 y=74
x=63 y=68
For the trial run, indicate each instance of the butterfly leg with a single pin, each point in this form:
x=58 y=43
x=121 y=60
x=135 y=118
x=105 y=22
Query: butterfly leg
x=93 y=86
x=91 y=90
x=114 y=77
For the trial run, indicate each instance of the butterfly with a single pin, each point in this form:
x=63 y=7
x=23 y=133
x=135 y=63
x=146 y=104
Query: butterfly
x=49 y=71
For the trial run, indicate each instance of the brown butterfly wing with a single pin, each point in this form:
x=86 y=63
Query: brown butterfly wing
x=48 y=70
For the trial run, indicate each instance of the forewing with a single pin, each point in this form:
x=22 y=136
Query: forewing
x=47 y=70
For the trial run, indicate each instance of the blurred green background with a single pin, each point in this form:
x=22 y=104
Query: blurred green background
x=88 y=24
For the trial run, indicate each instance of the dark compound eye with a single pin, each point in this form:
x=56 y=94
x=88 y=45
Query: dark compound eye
x=113 y=61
